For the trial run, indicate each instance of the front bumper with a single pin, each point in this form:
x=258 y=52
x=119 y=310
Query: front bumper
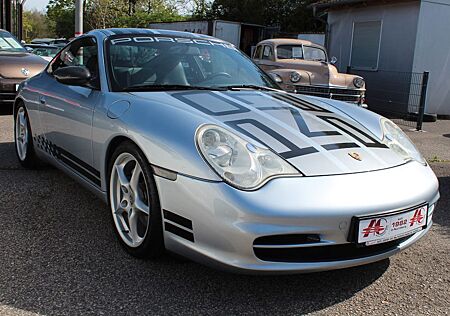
x=220 y=224
x=331 y=92
x=8 y=91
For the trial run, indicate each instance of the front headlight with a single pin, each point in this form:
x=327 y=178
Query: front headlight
x=238 y=162
x=295 y=76
x=398 y=141
x=276 y=77
x=358 y=82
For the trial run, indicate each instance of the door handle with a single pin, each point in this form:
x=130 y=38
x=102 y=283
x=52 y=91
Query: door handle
x=42 y=99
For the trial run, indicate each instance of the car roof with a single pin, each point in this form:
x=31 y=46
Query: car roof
x=142 y=31
x=288 y=41
x=41 y=46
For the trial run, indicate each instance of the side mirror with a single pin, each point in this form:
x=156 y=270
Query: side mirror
x=29 y=49
x=73 y=75
x=333 y=60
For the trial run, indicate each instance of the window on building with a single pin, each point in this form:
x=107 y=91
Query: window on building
x=366 y=45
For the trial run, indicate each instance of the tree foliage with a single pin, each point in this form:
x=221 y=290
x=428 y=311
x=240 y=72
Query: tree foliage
x=34 y=25
x=289 y=15
x=110 y=13
x=61 y=17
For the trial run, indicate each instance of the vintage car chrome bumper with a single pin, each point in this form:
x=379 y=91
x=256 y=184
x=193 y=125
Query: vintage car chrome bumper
x=331 y=92
x=248 y=232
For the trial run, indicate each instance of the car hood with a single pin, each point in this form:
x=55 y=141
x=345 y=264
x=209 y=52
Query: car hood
x=316 y=137
x=17 y=65
x=319 y=73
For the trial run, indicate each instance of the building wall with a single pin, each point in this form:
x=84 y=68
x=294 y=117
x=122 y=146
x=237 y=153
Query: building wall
x=317 y=38
x=388 y=88
x=432 y=53
x=399 y=25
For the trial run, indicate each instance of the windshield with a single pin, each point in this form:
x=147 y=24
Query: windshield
x=145 y=61
x=301 y=52
x=9 y=43
x=314 y=53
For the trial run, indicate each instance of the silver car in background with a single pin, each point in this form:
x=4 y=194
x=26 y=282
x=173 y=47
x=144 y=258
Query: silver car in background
x=197 y=151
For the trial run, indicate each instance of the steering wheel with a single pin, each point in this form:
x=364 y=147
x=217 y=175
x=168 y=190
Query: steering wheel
x=220 y=74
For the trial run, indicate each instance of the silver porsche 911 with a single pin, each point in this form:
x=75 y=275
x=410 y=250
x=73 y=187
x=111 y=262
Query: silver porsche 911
x=197 y=151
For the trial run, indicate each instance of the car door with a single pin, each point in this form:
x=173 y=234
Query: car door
x=67 y=111
x=267 y=61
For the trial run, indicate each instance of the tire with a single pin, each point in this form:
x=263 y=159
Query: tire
x=134 y=202
x=23 y=139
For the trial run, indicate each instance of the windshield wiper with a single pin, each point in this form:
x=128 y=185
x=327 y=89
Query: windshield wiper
x=248 y=86
x=164 y=87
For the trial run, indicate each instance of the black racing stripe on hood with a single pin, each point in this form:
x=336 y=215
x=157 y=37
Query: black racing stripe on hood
x=302 y=104
x=294 y=150
x=182 y=96
x=375 y=143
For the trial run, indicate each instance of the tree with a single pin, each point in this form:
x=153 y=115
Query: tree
x=289 y=15
x=61 y=17
x=34 y=25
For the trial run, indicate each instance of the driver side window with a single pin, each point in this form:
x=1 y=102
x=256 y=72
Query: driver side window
x=82 y=52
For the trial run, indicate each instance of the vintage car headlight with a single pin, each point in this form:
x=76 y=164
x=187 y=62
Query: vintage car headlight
x=358 y=82
x=276 y=77
x=238 y=162
x=295 y=76
x=398 y=141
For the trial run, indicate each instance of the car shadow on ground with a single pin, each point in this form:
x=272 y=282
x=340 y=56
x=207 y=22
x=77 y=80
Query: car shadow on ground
x=442 y=214
x=58 y=255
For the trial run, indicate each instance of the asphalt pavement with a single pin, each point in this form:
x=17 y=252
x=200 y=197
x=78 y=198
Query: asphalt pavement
x=58 y=256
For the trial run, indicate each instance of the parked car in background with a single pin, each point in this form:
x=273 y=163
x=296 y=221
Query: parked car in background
x=16 y=65
x=45 y=51
x=303 y=67
x=60 y=42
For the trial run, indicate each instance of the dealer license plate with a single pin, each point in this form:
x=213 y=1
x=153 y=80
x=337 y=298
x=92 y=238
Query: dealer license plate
x=386 y=227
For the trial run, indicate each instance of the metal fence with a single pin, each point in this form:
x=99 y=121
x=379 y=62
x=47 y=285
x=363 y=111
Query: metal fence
x=400 y=96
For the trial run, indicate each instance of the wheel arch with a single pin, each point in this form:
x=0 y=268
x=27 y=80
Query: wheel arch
x=16 y=105
x=113 y=144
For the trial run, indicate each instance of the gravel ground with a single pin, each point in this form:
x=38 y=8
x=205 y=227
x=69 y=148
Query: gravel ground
x=58 y=257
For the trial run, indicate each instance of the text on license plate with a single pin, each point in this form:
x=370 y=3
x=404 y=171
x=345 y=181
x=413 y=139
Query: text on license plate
x=384 y=228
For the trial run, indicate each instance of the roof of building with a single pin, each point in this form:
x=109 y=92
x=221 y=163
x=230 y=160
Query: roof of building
x=325 y=4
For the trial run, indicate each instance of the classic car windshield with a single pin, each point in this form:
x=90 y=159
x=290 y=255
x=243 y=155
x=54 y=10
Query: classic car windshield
x=9 y=43
x=289 y=52
x=301 y=52
x=148 y=62
x=45 y=51
x=314 y=53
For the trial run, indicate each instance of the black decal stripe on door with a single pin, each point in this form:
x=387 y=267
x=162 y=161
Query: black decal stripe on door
x=69 y=160
x=74 y=158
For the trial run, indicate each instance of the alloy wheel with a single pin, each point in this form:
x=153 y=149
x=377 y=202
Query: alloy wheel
x=130 y=200
x=21 y=133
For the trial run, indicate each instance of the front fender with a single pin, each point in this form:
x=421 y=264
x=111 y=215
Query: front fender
x=165 y=135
